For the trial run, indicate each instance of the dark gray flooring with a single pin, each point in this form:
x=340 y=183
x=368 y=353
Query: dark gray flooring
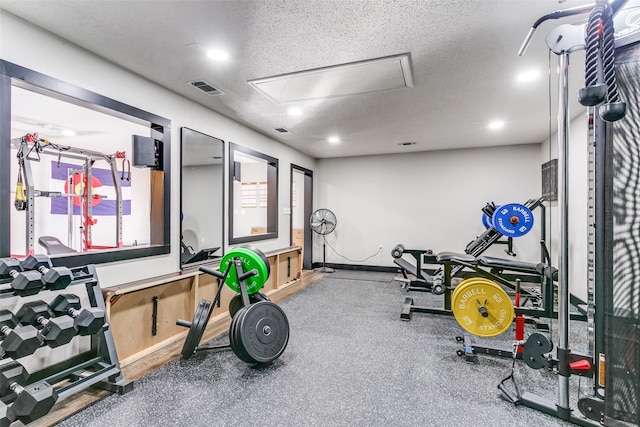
x=350 y=361
x=372 y=276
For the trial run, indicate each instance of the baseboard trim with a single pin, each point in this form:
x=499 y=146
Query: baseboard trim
x=378 y=268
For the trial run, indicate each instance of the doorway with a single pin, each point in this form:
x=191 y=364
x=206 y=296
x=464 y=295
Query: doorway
x=301 y=208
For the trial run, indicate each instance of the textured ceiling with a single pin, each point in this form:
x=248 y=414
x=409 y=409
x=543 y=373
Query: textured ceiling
x=463 y=52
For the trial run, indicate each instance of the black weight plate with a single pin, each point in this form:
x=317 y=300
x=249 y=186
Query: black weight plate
x=535 y=348
x=236 y=302
x=592 y=408
x=260 y=254
x=234 y=338
x=263 y=331
x=196 y=330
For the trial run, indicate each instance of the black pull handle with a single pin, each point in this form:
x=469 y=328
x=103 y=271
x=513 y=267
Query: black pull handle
x=154 y=317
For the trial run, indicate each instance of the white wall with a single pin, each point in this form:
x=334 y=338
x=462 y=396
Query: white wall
x=429 y=200
x=32 y=48
x=578 y=199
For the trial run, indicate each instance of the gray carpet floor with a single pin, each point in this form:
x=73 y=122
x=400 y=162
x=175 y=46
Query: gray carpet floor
x=350 y=361
x=371 y=276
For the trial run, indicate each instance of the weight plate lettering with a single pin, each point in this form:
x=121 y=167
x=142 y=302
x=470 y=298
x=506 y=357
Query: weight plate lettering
x=513 y=220
x=260 y=332
x=481 y=307
x=251 y=259
x=196 y=330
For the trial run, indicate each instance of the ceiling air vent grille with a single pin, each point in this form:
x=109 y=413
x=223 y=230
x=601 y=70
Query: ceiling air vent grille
x=206 y=88
x=282 y=130
x=407 y=144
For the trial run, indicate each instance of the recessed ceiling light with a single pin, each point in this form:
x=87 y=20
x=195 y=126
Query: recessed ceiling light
x=218 y=55
x=497 y=124
x=528 y=76
x=295 y=111
x=333 y=139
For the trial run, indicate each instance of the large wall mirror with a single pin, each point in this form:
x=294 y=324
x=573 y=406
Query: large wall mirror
x=82 y=176
x=202 y=198
x=253 y=195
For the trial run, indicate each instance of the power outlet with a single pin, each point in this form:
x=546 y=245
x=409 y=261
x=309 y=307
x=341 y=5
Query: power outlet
x=380 y=248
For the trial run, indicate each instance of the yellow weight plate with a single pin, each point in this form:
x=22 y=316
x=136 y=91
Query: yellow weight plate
x=481 y=307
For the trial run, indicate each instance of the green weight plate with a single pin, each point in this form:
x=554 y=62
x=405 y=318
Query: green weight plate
x=263 y=331
x=251 y=260
x=262 y=255
x=236 y=302
x=234 y=338
x=196 y=330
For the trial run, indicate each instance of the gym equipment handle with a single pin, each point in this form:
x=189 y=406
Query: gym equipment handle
x=184 y=323
x=212 y=272
x=248 y=274
x=507 y=394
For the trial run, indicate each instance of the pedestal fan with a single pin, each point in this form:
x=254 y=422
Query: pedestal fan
x=323 y=222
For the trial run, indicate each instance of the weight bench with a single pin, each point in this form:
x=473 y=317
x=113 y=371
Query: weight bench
x=407 y=267
x=54 y=246
x=500 y=264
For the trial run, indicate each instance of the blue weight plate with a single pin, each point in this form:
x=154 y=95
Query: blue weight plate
x=513 y=220
x=486 y=221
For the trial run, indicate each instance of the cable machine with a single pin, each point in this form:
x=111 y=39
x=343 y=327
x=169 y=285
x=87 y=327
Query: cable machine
x=612 y=311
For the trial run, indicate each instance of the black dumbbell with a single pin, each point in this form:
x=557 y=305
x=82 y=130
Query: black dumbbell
x=87 y=321
x=19 y=341
x=5 y=421
x=24 y=283
x=56 y=331
x=54 y=278
x=32 y=401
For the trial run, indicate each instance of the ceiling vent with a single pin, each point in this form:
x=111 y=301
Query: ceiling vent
x=206 y=88
x=407 y=144
x=282 y=130
x=372 y=75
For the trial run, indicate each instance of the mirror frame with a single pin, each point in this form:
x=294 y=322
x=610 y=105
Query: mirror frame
x=160 y=129
x=222 y=202
x=272 y=195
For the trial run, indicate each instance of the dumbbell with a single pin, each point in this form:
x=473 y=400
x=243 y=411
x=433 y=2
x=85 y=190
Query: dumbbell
x=54 y=278
x=56 y=331
x=32 y=401
x=5 y=421
x=24 y=283
x=87 y=321
x=19 y=341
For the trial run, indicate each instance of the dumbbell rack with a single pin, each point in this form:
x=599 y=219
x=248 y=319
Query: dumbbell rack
x=86 y=361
